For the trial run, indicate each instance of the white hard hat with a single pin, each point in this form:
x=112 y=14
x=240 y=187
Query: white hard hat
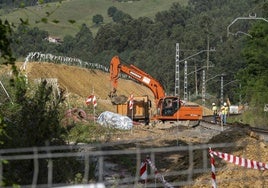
x=225 y=104
x=213 y=104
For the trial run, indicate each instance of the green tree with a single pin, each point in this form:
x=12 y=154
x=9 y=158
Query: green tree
x=84 y=43
x=106 y=38
x=27 y=39
x=111 y=11
x=6 y=56
x=255 y=75
x=120 y=16
x=175 y=15
x=33 y=119
x=80 y=46
x=38 y=116
x=67 y=45
x=97 y=19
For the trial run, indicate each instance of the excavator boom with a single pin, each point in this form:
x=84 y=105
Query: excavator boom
x=116 y=68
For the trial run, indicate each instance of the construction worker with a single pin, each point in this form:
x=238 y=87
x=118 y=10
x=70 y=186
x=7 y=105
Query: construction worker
x=215 y=112
x=168 y=108
x=224 y=112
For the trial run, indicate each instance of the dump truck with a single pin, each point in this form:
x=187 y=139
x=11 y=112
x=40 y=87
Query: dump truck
x=140 y=112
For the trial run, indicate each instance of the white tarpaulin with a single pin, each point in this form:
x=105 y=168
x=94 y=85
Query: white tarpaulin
x=113 y=120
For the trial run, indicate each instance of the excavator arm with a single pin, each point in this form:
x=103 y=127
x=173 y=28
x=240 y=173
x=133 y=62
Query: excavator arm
x=140 y=76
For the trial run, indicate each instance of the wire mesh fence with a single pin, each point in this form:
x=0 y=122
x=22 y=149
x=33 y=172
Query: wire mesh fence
x=113 y=165
x=4 y=90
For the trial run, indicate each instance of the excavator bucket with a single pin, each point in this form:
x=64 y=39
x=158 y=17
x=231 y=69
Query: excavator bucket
x=121 y=99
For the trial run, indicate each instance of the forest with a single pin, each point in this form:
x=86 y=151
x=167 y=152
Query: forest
x=151 y=44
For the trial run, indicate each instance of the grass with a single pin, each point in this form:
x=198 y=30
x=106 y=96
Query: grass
x=82 y=11
x=253 y=117
x=89 y=132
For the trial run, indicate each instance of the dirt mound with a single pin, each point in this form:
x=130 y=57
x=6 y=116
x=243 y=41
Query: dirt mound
x=81 y=82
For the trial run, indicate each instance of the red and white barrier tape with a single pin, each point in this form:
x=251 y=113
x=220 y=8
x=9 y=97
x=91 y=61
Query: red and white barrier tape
x=240 y=161
x=143 y=171
x=213 y=170
x=131 y=101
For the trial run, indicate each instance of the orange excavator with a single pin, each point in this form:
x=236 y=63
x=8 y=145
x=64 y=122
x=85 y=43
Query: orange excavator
x=168 y=108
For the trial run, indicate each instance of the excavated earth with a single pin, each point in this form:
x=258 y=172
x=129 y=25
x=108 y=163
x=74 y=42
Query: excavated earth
x=79 y=83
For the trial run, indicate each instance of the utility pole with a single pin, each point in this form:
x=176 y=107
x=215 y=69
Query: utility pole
x=207 y=51
x=177 y=71
x=186 y=78
x=195 y=77
x=221 y=89
x=185 y=82
x=204 y=87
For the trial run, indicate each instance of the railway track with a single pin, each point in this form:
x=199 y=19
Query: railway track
x=203 y=128
x=260 y=130
x=200 y=132
x=261 y=133
x=217 y=127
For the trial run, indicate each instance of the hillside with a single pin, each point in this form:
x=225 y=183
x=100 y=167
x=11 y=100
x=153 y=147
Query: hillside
x=79 y=83
x=82 y=11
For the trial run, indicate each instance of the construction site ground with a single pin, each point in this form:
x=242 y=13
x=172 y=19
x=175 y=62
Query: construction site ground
x=79 y=83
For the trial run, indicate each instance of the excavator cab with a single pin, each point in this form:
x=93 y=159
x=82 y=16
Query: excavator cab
x=168 y=106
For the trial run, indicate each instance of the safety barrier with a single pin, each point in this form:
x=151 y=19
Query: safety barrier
x=247 y=163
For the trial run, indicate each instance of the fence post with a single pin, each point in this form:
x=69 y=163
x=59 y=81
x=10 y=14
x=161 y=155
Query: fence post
x=85 y=180
x=138 y=164
x=36 y=167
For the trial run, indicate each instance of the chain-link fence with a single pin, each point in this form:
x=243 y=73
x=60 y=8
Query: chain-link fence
x=116 y=164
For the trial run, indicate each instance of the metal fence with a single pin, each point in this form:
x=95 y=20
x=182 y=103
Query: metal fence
x=97 y=156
